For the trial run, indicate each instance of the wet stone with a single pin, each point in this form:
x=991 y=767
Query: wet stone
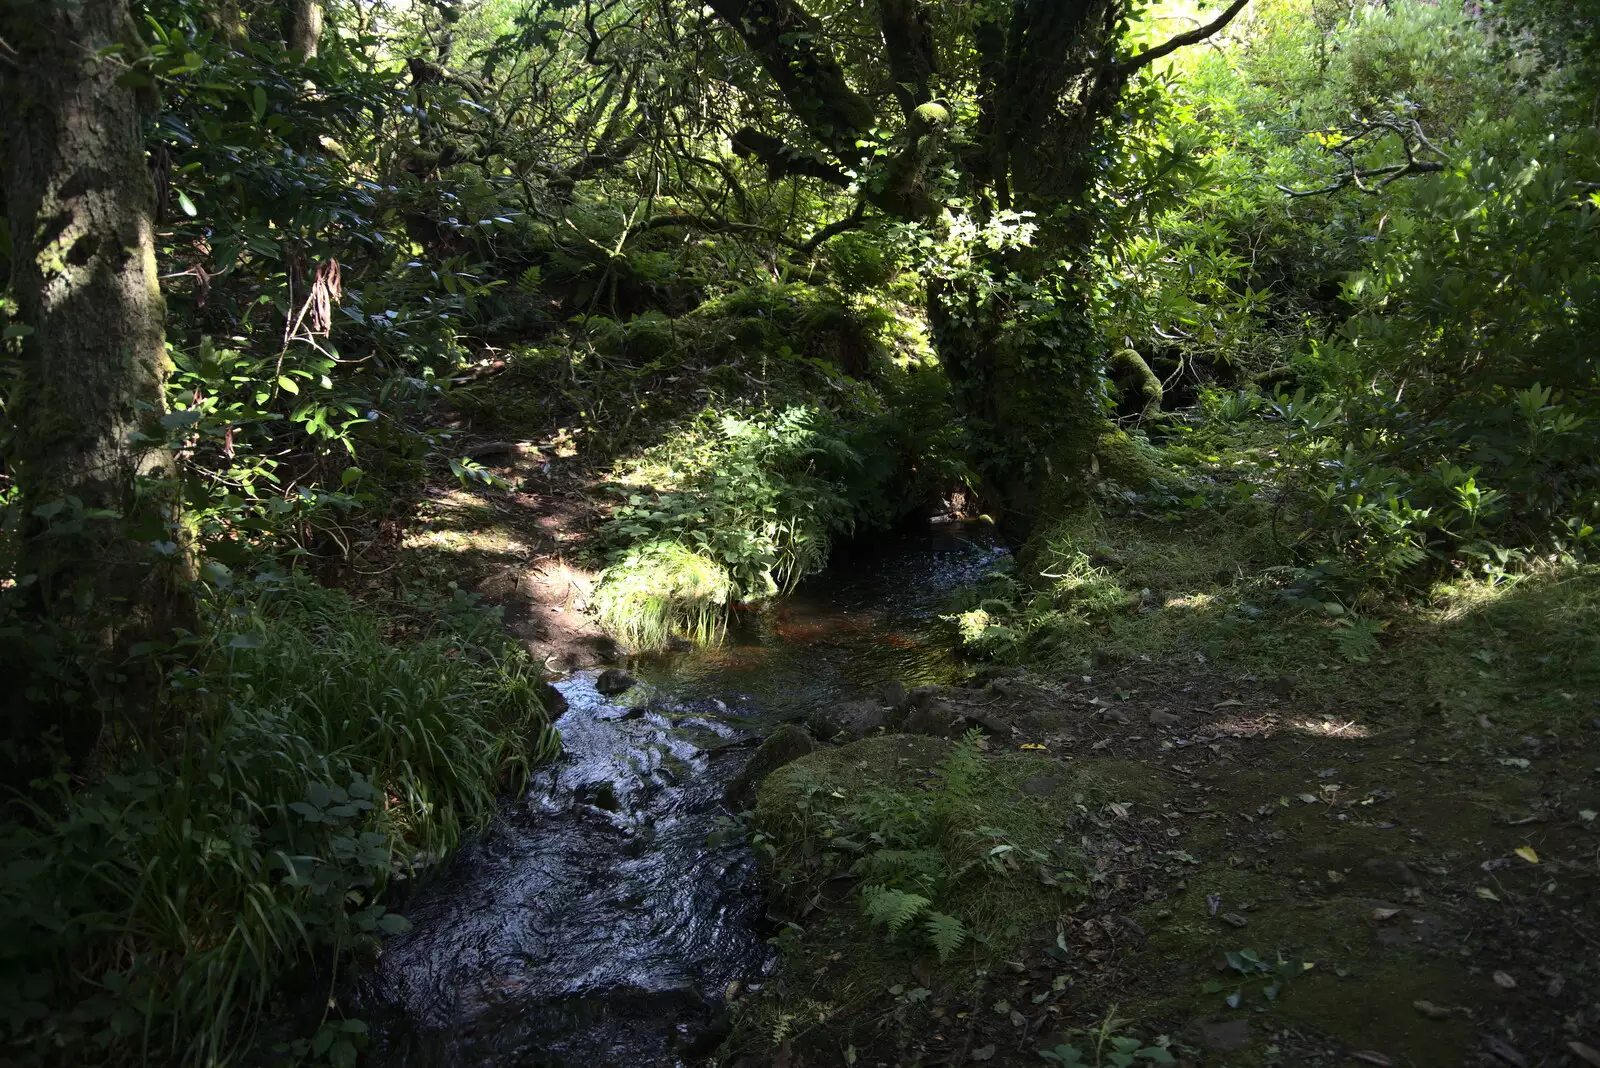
x=613 y=681
x=785 y=745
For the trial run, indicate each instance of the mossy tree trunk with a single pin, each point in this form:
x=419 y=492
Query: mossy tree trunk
x=1018 y=344
x=100 y=552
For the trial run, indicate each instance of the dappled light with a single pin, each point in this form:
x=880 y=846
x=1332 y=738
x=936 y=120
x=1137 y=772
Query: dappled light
x=777 y=533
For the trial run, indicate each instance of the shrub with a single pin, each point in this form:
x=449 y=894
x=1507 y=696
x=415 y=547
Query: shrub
x=153 y=915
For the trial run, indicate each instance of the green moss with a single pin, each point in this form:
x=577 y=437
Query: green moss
x=1140 y=387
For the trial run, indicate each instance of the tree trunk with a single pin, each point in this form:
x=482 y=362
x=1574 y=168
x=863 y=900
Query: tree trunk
x=305 y=27
x=1020 y=348
x=101 y=546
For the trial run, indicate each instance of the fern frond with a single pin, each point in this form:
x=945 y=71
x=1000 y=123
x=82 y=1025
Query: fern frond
x=893 y=908
x=945 y=933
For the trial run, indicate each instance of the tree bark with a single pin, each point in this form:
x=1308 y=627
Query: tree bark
x=101 y=544
x=1022 y=355
x=305 y=27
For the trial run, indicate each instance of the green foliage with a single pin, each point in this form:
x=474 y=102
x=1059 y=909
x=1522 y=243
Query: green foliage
x=156 y=913
x=933 y=856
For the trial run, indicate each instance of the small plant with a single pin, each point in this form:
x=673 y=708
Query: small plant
x=1109 y=1048
x=1251 y=973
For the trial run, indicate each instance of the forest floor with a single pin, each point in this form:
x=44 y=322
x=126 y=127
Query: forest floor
x=1376 y=864
x=1418 y=892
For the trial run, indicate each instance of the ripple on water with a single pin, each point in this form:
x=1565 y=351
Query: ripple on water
x=595 y=924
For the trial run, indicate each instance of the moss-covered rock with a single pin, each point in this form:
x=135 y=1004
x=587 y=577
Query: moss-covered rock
x=783 y=746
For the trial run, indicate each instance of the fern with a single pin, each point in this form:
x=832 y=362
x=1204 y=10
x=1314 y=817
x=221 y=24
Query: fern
x=945 y=933
x=529 y=280
x=893 y=908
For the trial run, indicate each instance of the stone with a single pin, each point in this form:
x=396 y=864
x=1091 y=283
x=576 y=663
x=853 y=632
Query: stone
x=613 y=681
x=1159 y=718
x=933 y=719
x=783 y=746
x=895 y=694
x=850 y=719
x=991 y=725
x=553 y=700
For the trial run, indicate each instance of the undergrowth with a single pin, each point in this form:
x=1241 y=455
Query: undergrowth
x=943 y=851
x=1240 y=537
x=156 y=914
x=813 y=417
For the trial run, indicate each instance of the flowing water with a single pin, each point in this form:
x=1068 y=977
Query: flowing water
x=601 y=919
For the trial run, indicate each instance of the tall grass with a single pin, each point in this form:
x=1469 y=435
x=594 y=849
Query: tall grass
x=155 y=915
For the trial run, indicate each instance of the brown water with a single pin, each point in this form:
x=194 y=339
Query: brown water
x=602 y=918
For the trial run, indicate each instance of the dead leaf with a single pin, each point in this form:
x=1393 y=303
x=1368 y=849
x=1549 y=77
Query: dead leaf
x=1507 y=1052
x=1232 y=702
x=1487 y=894
x=1384 y=914
x=1431 y=1011
x=1233 y=919
x=1335 y=876
x=1372 y=1056
x=1587 y=1054
x=1017 y=1019
x=984 y=1053
x=1505 y=981
x=1527 y=854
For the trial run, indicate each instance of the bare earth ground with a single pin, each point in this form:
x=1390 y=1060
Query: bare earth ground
x=1437 y=900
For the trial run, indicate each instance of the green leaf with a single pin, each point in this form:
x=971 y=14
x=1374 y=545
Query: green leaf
x=258 y=102
x=186 y=204
x=288 y=384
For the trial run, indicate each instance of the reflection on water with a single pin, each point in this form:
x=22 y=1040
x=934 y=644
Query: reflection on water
x=595 y=925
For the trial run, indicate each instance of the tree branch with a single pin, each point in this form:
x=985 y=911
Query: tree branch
x=791 y=45
x=1411 y=136
x=1182 y=40
x=1357 y=176
x=782 y=158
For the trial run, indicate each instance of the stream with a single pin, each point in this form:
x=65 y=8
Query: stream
x=599 y=922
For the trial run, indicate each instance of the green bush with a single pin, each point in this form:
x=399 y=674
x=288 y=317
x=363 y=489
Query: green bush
x=155 y=915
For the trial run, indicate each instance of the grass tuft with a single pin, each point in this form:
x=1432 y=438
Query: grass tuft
x=155 y=915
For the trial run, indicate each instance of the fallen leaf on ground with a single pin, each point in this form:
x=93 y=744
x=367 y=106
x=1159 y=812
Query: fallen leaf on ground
x=984 y=1053
x=1505 y=981
x=1527 y=854
x=1487 y=894
x=1507 y=1052
x=1372 y=1056
x=1431 y=1011
x=1384 y=914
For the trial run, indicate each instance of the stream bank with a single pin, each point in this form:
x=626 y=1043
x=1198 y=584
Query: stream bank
x=608 y=913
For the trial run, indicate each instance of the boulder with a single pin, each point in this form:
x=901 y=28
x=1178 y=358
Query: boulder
x=784 y=745
x=613 y=681
x=933 y=718
x=849 y=719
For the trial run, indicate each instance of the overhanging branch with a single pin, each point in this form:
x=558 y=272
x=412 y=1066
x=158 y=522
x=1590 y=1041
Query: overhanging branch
x=1182 y=40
